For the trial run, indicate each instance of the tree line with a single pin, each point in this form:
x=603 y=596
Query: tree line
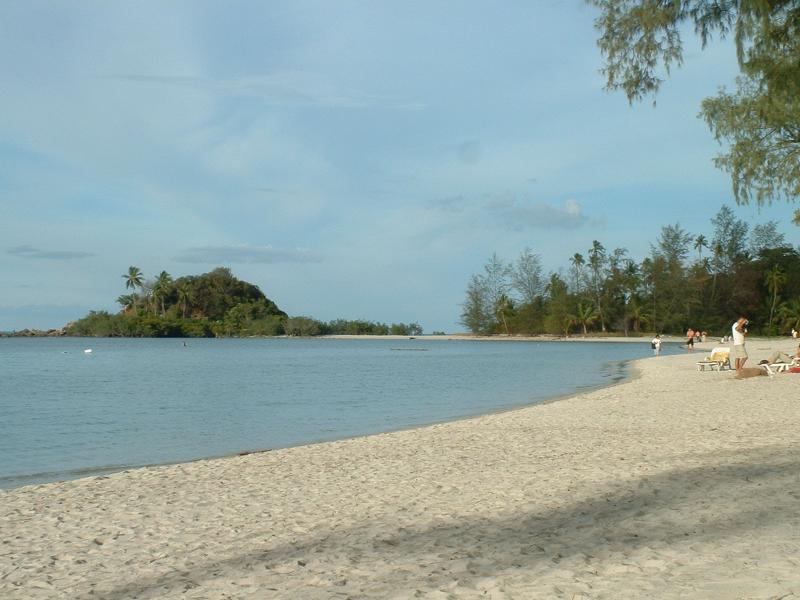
x=214 y=304
x=688 y=280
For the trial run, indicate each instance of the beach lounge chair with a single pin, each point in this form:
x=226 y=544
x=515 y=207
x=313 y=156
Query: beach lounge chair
x=780 y=367
x=719 y=359
x=769 y=368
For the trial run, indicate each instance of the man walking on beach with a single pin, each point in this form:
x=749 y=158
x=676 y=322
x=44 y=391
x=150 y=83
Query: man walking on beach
x=738 y=352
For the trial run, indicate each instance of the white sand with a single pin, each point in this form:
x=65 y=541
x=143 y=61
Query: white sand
x=676 y=484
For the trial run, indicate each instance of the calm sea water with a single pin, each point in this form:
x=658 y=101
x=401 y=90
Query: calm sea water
x=65 y=413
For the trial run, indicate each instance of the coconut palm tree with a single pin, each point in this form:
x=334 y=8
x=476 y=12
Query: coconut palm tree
x=133 y=279
x=789 y=313
x=161 y=289
x=585 y=315
x=774 y=279
x=568 y=321
x=128 y=301
x=184 y=298
x=597 y=262
x=637 y=314
x=578 y=263
x=700 y=242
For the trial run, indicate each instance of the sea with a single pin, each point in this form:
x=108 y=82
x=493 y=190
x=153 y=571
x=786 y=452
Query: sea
x=75 y=407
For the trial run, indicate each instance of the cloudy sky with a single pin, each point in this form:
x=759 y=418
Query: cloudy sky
x=353 y=159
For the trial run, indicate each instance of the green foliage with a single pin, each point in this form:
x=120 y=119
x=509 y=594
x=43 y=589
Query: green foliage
x=759 y=123
x=357 y=327
x=213 y=294
x=403 y=329
x=302 y=326
x=213 y=304
x=477 y=314
x=585 y=315
x=98 y=323
x=103 y=324
x=527 y=277
x=558 y=320
x=789 y=313
x=667 y=292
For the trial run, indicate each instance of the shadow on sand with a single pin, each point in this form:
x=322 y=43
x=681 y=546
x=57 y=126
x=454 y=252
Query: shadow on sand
x=761 y=489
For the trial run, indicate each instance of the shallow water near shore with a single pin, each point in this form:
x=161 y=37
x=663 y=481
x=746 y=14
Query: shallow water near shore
x=65 y=413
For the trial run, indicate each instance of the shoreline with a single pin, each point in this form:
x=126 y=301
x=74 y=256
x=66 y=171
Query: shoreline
x=675 y=483
x=592 y=338
x=625 y=367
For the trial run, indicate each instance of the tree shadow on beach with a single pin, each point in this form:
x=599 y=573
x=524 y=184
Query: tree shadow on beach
x=761 y=490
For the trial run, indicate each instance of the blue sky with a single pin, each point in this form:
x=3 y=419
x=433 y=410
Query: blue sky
x=353 y=159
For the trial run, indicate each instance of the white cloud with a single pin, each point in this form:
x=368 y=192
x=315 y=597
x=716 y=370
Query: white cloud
x=284 y=88
x=31 y=252
x=246 y=254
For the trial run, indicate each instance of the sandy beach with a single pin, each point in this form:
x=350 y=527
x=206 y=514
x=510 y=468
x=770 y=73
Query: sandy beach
x=675 y=484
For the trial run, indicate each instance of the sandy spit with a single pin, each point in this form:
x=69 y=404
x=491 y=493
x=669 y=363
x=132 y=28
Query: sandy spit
x=675 y=484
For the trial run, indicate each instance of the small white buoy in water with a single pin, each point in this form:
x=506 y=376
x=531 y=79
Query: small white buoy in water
x=87 y=351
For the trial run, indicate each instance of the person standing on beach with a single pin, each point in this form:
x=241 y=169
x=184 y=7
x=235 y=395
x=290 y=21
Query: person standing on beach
x=690 y=339
x=655 y=343
x=738 y=352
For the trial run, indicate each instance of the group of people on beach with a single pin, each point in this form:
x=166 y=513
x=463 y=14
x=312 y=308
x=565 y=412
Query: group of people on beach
x=738 y=354
x=693 y=336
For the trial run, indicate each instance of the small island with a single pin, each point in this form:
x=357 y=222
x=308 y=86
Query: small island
x=214 y=304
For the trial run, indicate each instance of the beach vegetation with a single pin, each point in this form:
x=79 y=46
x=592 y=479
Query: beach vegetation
x=757 y=124
x=214 y=304
x=677 y=286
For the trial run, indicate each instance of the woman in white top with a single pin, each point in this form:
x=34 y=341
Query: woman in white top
x=738 y=351
x=655 y=343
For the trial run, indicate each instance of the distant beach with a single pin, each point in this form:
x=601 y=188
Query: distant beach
x=642 y=339
x=674 y=484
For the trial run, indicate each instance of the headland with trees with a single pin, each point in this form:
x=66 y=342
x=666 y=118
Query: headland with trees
x=214 y=304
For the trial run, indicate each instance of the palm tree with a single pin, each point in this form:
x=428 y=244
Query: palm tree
x=585 y=315
x=128 y=301
x=597 y=260
x=133 y=279
x=161 y=288
x=700 y=242
x=774 y=279
x=568 y=321
x=789 y=312
x=577 y=268
x=184 y=297
x=637 y=314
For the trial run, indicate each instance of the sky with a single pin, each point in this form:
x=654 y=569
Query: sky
x=356 y=160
